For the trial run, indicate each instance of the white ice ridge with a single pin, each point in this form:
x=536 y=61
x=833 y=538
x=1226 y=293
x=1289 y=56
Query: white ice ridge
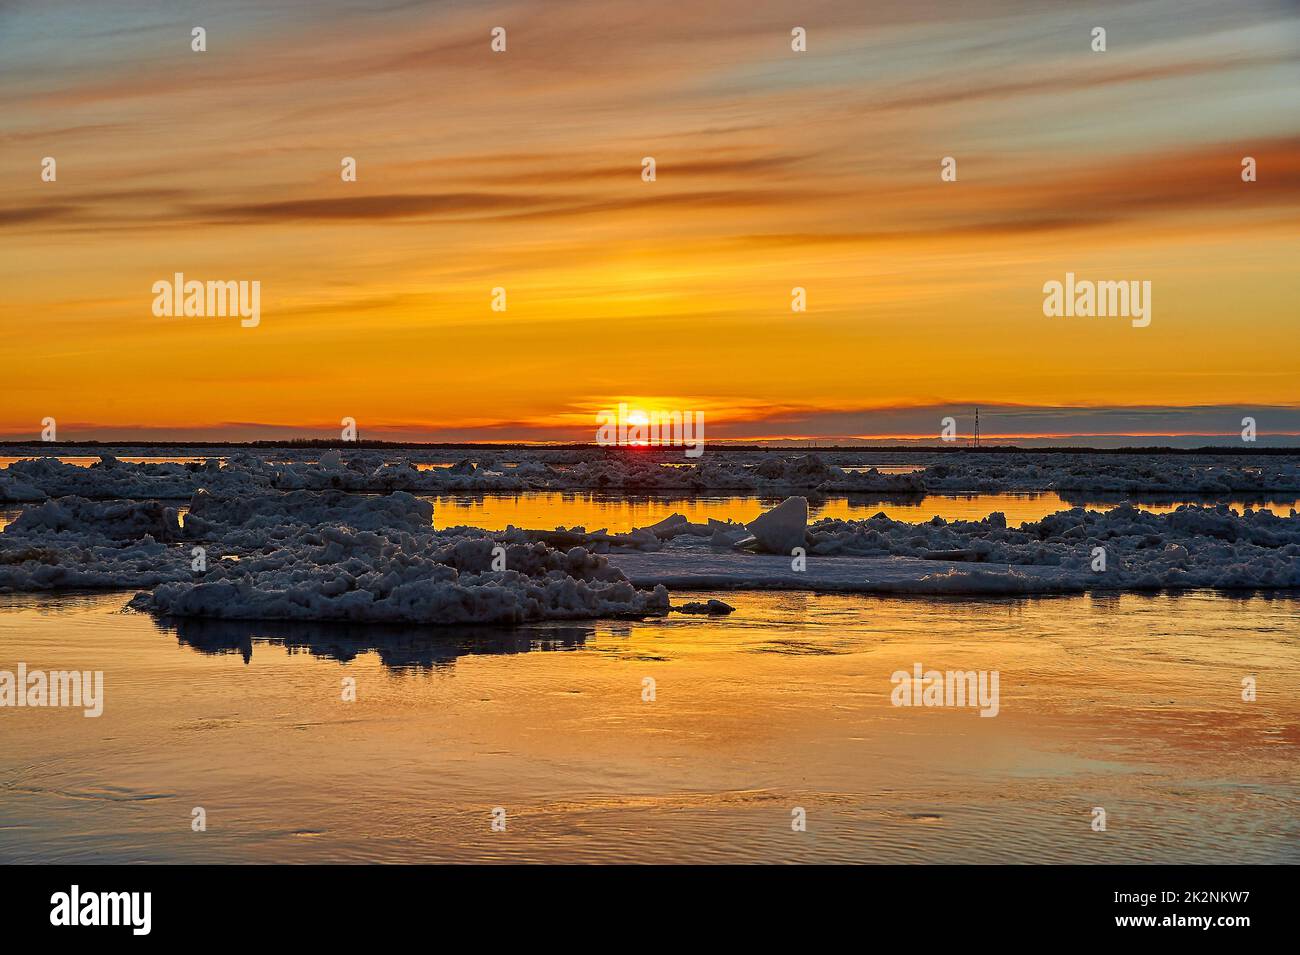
x=773 y=472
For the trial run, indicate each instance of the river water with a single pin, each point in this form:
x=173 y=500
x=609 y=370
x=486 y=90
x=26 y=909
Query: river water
x=1131 y=704
x=1128 y=703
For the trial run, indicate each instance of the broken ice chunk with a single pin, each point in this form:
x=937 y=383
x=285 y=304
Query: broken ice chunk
x=713 y=608
x=783 y=528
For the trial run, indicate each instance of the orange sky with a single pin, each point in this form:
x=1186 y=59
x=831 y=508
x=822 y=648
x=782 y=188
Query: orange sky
x=522 y=170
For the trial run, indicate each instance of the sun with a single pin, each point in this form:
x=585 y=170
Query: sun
x=641 y=420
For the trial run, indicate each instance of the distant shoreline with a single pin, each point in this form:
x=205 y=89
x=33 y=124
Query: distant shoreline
x=300 y=444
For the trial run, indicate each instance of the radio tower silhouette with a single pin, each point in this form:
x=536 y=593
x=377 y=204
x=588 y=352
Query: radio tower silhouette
x=977 y=427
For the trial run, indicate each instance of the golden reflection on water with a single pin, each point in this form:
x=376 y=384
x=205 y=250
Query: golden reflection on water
x=86 y=460
x=545 y=510
x=1128 y=702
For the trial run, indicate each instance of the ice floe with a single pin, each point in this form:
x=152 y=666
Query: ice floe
x=339 y=574
x=311 y=555
x=768 y=472
x=1124 y=548
x=315 y=541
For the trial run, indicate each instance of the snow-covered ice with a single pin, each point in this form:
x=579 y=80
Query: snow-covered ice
x=339 y=574
x=1124 y=548
x=766 y=472
x=318 y=555
x=334 y=540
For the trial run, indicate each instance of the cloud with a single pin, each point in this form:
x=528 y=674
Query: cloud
x=392 y=206
x=24 y=215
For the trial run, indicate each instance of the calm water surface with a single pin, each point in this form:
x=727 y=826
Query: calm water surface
x=86 y=460
x=546 y=510
x=1132 y=703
